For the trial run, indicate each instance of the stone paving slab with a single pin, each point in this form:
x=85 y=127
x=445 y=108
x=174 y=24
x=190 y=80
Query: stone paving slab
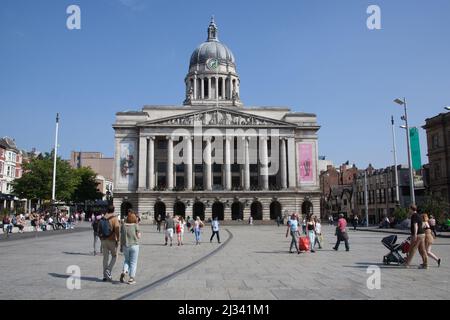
x=254 y=264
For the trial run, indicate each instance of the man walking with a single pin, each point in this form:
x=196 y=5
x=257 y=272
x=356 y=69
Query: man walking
x=293 y=229
x=169 y=227
x=109 y=233
x=341 y=233
x=215 y=229
x=417 y=239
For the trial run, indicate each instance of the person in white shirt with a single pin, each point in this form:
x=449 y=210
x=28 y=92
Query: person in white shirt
x=318 y=230
x=215 y=229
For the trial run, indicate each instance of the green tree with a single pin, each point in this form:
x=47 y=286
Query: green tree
x=37 y=180
x=87 y=187
x=436 y=206
x=400 y=214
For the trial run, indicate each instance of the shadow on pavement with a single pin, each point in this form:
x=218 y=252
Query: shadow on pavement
x=365 y=265
x=79 y=253
x=65 y=276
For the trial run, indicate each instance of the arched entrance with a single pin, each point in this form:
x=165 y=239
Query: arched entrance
x=275 y=210
x=124 y=207
x=256 y=210
x=307 y=208
x=237 y=211
x=198 y=210
x=218 y=210
x=179 y=209
x=160 y=209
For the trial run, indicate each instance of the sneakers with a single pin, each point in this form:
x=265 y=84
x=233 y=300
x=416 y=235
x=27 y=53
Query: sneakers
x=335 y=249
x=108 y=275
x=423 y=266
x=439 y=262
x=131 y=281
x=122 y=277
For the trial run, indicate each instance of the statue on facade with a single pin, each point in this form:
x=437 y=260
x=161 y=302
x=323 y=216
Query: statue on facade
x=235 y=96
x=189 y=96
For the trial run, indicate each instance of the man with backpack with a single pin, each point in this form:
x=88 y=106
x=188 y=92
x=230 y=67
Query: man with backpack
x=109 y=233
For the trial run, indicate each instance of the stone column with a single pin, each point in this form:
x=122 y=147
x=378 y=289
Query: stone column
x=223 y=88
x=202 y=89
x=247 y=165
x=228 y=163
x=264 y=163
x=217 y=88
x=142 y=163
x=283 y=167
x=151 y=163
x=169 y=177
x=189 y=163
x=195 y=87
x=291 y=162
x=209 y=89
x=208 y=164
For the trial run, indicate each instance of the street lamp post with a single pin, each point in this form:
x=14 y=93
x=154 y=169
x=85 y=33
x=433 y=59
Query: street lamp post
x=397 y=197
x=54 y=160
x=411 y=175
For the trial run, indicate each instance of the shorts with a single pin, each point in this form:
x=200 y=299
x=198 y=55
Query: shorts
x=169 y=233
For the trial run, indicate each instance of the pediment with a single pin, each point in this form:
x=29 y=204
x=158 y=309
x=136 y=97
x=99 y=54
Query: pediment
x=218 y=117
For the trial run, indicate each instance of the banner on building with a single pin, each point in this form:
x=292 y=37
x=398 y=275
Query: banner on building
x=305 y=162
x=415 y=148
x=127 y=164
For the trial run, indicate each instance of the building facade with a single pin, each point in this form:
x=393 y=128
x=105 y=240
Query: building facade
x=10 y=169
x=213 y=156
x=101 y=165
x=438 y=141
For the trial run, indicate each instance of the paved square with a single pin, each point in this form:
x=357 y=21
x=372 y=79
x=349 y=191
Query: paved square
x=253 y=263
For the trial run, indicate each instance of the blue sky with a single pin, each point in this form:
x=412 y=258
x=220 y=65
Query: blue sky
x=313 y=56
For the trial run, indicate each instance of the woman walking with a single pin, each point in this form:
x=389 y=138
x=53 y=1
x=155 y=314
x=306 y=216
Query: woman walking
x=129 y=240
x=182 y=227
x=311 y=229
x=198 y=224
x=429 y=238
x=318 y=230
x=292 y=228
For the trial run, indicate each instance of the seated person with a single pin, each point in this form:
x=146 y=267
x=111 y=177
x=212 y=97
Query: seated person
x=7 y=224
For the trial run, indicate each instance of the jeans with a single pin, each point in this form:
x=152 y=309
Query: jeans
x=294 y=241
x=212 y=236
x=197 y=235
x=312 y=238
x=131 y=258
x=109 y=246
x=317 y=240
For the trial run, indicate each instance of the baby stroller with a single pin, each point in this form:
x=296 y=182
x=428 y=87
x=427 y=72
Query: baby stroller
x=396 y=250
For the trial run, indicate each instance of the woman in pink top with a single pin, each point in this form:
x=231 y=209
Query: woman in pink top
x=341 y=233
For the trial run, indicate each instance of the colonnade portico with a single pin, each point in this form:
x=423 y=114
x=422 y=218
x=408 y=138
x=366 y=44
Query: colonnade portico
x=147 y=180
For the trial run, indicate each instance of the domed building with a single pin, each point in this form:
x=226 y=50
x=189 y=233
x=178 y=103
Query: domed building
x=213 y=156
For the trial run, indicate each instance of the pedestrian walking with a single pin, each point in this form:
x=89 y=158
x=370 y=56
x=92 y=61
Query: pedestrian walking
x=304 y=225
x=319 y=236
x=182 y=224
x=311 y=229
x=429 y=239
x=169 y=226
x=432 y=223
x=198 y=225
x=158 y=223
x=250 y=220
x=330 y=219
x=355 y=221
x=341 y=233
x=109 y=233
x=215 y=229
x=129 y=240
x=417 y=239
x=292 y=229
x=95 y=223
x=278 y=220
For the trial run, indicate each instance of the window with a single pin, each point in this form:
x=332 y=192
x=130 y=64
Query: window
x=437 y=170
x=179 y=168
x=198 y=168
x=8 y=171
x=162 y=144
x=1 y=168
x=435 y=141
x=162 y=166
x=345 y=202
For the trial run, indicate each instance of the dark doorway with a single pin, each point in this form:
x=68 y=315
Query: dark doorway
x=237 y=211
x=307 y=208
x=198 y=210
x=256 y=210
x=275 y=210
x=124 y=207
x=160 y=209
x=218 y=210
x=179 y=209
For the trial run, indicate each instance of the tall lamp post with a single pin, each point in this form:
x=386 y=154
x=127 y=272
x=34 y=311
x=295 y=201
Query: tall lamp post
x=54 y=161
x=411 y=175
x=397 y=196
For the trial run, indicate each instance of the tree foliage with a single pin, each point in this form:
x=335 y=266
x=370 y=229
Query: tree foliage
x=71 y=184
x=436 y=206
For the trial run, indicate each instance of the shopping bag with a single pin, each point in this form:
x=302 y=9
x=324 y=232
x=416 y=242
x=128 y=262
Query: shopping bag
x=303 y=244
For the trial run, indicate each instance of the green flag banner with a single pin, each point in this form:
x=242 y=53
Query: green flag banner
x=415 y=148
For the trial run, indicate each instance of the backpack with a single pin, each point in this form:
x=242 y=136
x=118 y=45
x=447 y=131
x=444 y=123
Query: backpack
x=104 y=230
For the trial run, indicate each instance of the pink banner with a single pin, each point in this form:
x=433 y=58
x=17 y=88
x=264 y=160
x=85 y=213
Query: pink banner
x=305 y=157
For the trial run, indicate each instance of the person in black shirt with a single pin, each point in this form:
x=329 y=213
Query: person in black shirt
x=417 y=239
